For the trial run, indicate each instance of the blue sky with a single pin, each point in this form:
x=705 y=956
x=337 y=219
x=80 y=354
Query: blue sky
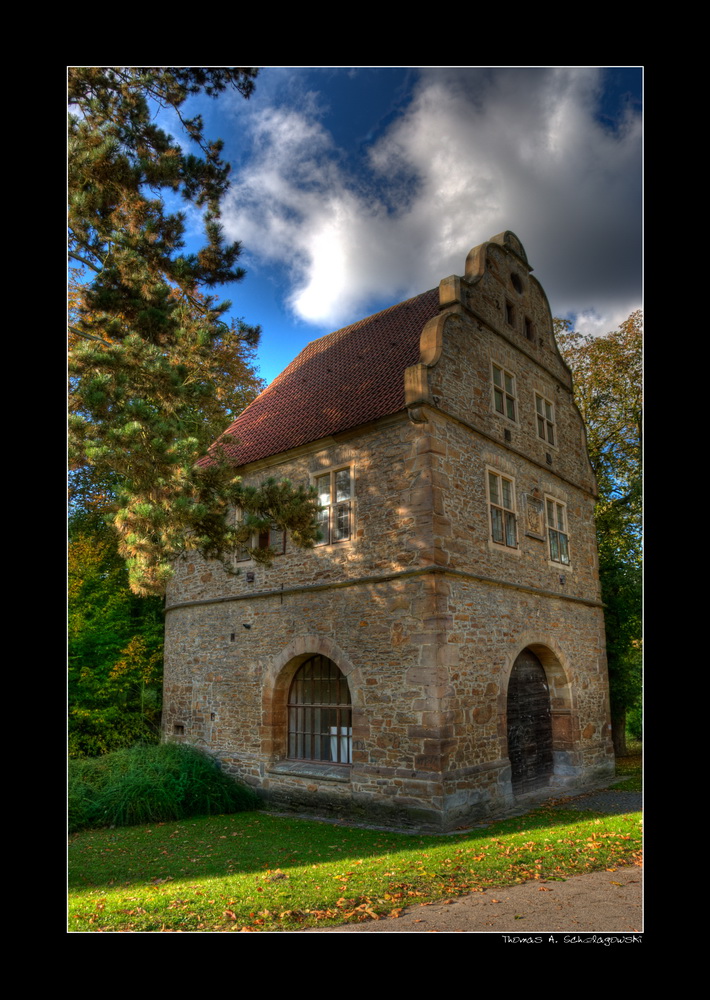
x=353 y=189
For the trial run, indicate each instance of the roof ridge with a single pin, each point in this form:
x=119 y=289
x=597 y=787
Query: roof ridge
x=367 y=319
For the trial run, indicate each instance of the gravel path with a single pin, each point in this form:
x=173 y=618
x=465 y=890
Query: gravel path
x=605 y=801
x=604 y=902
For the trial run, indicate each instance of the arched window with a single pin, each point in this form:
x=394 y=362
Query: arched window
x=319 y=713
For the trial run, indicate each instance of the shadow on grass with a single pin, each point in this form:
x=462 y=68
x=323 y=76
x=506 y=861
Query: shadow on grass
x=251 y=843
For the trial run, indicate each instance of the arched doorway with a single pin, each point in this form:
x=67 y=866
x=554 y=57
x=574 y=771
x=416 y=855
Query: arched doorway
x=529 y=724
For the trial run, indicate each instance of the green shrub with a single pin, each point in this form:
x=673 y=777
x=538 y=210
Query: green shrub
x=83 y=800
x=93 y=734
x=151 y=784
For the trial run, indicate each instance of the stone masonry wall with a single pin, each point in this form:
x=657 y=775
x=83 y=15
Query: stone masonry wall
x=390 y=512
x=422 y=611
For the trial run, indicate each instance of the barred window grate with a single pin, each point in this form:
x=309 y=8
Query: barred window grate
x=320 y=713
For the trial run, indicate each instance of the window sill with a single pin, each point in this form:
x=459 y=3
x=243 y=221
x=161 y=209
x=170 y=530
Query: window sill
x=499 y=547
x=311 y=769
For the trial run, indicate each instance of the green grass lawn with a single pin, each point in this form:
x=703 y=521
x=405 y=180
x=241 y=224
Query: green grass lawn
x=630 y=768
x=257 y=872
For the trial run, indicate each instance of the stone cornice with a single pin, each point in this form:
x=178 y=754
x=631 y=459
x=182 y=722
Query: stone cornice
x=386 y=578
x=420 y=417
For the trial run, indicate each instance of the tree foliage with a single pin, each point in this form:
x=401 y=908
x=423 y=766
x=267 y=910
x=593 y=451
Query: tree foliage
x=156 y=371
x=607 y=374
x=115 y=645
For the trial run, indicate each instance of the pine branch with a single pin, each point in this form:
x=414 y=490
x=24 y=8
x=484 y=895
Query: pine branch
x=83 y=261
x=88 y=336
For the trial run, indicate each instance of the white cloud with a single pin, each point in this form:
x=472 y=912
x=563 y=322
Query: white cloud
x=476 y=152
x=592 y=322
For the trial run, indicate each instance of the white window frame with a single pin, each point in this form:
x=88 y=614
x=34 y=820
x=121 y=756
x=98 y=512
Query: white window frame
x=505 y=389
x=502 y=509
x=339 y=511
x=557 y=530
x=274 y=538
x=545 y=419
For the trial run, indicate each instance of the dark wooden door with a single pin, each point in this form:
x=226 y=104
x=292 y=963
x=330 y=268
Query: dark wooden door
x=529 y=724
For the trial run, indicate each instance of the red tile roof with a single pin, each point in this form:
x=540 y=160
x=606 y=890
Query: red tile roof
x=337 y=382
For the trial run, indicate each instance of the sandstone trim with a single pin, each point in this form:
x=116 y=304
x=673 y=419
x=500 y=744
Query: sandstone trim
x=384 y=578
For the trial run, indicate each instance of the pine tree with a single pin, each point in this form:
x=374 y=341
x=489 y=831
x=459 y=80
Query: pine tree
x=156 y=371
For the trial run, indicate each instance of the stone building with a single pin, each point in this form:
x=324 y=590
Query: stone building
x=439 y=657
